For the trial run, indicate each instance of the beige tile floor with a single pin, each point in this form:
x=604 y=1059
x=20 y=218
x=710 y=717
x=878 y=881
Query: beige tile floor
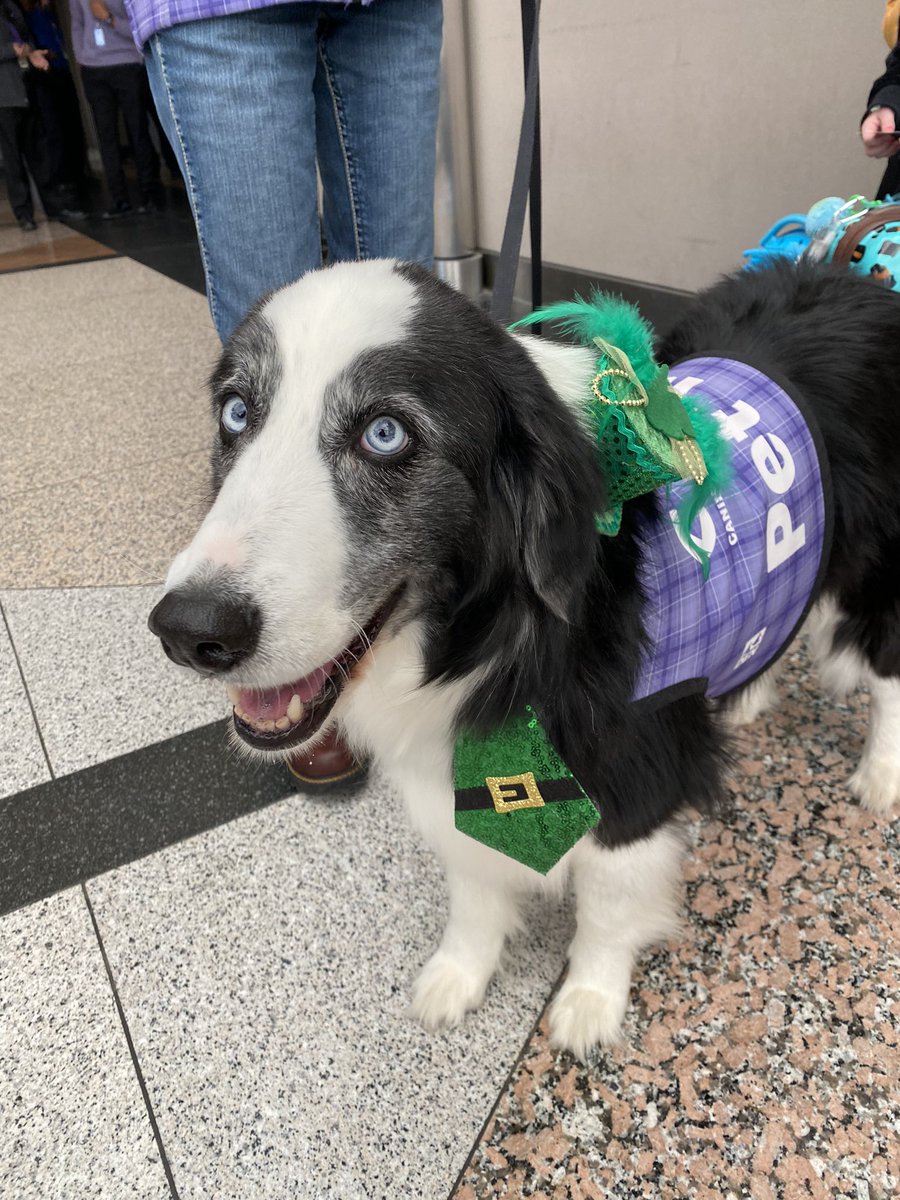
x=103 y=460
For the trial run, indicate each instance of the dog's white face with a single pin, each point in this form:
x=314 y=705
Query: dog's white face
x=305 y=446
x=350 y=467
x=384 y=452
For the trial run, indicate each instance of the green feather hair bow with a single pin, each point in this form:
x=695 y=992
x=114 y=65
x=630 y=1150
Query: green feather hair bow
x=647 y=435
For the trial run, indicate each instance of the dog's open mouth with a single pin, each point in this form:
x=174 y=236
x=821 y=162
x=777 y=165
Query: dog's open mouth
x=280 y=718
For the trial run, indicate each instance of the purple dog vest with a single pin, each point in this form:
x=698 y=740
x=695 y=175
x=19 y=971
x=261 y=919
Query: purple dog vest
x=768 y=537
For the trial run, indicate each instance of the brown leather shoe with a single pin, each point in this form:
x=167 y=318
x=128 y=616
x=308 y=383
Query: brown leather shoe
x=327 y=766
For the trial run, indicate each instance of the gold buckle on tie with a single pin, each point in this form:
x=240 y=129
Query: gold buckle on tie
x=514 y=791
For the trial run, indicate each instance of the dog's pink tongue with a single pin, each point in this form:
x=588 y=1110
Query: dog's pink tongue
x=272 y=703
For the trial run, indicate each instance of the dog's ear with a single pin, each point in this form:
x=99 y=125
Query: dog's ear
x=545 y=472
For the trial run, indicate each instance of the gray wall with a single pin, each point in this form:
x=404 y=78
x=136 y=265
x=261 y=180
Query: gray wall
x=674 y=133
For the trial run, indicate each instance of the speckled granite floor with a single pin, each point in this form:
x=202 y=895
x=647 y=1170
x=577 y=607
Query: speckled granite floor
x=761 y=1052
x=219 y=1017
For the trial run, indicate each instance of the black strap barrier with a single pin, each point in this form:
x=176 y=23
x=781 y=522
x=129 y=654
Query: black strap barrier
x=526 y=182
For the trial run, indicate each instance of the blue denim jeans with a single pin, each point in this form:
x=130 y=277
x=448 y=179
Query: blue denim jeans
x=253 y=101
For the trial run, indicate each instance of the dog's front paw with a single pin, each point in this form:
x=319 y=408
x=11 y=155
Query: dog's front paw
x=876 y=785
x=581 y=1017
x=444 y=992
x=755 y=700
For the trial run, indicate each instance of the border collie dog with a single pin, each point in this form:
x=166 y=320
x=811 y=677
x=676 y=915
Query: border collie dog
x=402 y=541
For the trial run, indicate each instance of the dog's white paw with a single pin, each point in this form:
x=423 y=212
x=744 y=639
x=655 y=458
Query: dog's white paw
x=752 y=702
x=876 y=784
x=444 y=992
x=580 y=1017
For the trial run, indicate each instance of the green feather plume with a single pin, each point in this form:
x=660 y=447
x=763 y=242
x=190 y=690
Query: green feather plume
x=607 y=317
x=717 y=456
x=619 y=324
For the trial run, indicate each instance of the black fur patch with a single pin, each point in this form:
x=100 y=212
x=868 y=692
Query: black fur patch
x=531 y=594
x=249 y=367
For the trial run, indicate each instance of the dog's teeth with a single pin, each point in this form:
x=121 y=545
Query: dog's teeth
x=264 y=725
x=234 y=694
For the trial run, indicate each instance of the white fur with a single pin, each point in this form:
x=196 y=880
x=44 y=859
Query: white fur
x=565 y=368
x=840 y=671
x=626 y=899
x=409 y=727
x=876 y=781
x=279 y=497
x=753 y=701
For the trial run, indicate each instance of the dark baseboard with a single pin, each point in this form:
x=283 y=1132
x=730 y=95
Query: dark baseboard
x=661 y=306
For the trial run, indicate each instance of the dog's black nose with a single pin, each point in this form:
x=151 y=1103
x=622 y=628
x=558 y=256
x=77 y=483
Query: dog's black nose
x=206 y=630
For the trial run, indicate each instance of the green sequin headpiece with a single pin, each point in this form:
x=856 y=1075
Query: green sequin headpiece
x=644 y=434
x=648 y=436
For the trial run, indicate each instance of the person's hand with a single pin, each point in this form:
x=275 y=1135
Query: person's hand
x=877 y=131
x=21 y=50
x=38 y=58
x=101 y=12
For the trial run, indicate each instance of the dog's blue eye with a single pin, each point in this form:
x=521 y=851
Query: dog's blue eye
x=234 y=415
x=384 y=436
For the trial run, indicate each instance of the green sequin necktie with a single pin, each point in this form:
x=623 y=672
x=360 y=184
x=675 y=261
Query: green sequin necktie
x=515 y=794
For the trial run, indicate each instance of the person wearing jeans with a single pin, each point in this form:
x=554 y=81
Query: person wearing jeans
x=254 y=97
x=252 y=101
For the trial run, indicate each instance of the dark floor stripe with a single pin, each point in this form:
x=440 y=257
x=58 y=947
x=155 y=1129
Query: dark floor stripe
x=60 y=833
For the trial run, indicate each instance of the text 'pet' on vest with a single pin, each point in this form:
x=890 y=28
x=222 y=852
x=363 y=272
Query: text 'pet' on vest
x=765 y=536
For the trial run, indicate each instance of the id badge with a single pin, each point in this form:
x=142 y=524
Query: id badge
x=99 y=36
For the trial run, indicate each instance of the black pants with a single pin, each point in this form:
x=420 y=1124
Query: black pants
x=890 y=181
x=123 y=88
x=23 y=149
x=55 y=97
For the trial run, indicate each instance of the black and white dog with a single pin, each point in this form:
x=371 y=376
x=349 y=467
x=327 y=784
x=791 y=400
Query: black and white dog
x=402 y=541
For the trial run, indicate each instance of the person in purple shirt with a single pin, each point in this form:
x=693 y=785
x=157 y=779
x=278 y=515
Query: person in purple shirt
x=112 y=71
x=258 y=98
